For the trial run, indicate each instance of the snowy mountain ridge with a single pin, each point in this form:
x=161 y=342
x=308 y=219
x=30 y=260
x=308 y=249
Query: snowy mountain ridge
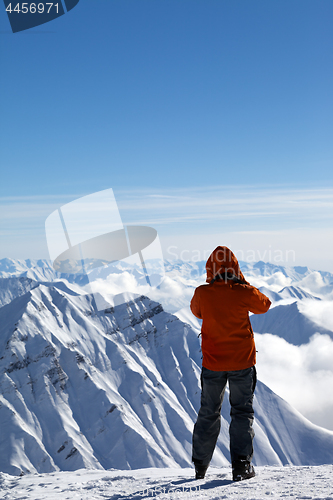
x=118 y=388
x=275 y=277
x=290 y=322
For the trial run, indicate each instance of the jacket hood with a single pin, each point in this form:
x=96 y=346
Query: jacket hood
x=220 y=261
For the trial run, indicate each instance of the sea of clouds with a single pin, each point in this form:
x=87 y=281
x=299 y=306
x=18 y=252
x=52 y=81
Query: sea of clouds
x=302 y=375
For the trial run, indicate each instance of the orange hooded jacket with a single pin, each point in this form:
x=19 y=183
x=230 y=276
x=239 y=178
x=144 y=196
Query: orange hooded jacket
x=227 y=336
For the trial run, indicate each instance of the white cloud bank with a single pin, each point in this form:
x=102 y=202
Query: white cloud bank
x=302 y=375
x=172 y=293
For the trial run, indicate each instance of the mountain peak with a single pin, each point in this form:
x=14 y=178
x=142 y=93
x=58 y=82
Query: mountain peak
x=120 y=387
x=289 y=322
x=113 y=388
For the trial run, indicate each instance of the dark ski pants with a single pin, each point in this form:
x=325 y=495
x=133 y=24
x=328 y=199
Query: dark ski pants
x=207 y=428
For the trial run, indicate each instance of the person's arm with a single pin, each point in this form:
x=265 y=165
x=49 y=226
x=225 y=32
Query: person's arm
x=259 y=303
x=195 y=305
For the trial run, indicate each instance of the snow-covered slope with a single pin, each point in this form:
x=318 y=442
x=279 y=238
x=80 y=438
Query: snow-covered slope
x=275 y=483
x=289 y=322
x=37 y=270
x=10 y=288
x=118 y=388
x=273 y=296
x=288 y=292
x=295 y=292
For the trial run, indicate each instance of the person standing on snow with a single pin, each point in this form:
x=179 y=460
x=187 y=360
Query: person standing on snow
x=229 y=355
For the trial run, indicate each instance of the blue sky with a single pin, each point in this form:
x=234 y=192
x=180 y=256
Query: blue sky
x=174 y=98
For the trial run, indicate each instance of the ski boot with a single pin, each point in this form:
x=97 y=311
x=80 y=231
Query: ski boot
x=200 y=470
x=242 y=469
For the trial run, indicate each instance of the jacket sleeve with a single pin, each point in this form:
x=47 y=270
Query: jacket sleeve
x=195 y=305
x=259 y=303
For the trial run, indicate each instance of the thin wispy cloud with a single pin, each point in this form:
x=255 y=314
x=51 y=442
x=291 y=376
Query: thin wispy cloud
x=255 y=217
x=226 y=203
x=191 y=203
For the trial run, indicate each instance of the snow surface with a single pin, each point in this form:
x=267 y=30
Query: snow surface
x=276 y=483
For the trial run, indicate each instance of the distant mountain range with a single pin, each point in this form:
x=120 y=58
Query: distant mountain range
x=116 y=388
